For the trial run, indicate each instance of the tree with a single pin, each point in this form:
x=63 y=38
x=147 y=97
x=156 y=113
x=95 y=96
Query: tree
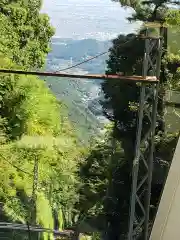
x=102 y=173
x=57 y=179
x=121 y=101
x=150 y=10
x=154 y=11
x=121 y=59
x=106 y=185
x=25 y=32
x=34 y=128
x=120 y=97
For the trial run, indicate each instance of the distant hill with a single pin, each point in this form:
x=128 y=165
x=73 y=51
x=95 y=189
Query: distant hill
x=80 y=96
x=77 y=49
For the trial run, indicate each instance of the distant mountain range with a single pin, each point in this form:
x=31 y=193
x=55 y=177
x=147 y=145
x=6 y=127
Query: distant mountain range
x=79 y=50
x=66 y=48
x=80 y=96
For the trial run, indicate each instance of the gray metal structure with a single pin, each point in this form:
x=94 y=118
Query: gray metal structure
x=143 y=160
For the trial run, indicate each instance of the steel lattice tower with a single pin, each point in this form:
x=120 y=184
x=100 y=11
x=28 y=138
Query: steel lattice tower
x=143 y=160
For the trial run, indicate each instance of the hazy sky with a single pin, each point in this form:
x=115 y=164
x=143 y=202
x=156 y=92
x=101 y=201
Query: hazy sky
x=100 y=19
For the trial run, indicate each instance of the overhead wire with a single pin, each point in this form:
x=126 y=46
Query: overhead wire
x=80 y=63
x=96 y=56
x=18 y=168
x=27 y=227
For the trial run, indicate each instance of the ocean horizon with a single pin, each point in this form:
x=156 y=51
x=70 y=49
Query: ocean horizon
x=75 y=19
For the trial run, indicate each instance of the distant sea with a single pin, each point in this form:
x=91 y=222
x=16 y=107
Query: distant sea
x=81 y=19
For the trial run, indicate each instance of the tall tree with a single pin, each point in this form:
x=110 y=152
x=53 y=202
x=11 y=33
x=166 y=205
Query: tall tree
x=121 y=99
x=102 y=173
x=25 y=32
x=118 y=107
x=154 y=11
x=31 y=125
x=105 y=192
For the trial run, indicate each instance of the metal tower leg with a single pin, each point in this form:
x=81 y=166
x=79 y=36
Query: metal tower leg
x=143 y=161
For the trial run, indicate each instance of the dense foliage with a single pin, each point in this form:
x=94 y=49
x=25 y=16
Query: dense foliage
x=46 y=177
x=25 y=33
x=39 y=152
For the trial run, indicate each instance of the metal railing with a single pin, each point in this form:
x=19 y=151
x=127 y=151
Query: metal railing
x=15 y=231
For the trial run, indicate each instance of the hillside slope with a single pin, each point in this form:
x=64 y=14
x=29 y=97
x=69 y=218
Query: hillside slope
x=80 y=96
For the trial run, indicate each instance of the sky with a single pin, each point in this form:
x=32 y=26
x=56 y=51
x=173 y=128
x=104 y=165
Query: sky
x=79 y=19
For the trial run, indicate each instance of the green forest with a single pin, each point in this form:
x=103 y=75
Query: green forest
x=48 y=177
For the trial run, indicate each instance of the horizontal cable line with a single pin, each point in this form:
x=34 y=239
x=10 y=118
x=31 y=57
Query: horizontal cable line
x=18 y=168
x=63 y=75
x=78 y=64
x=133 y=78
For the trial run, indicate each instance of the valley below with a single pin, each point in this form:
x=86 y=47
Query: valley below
x=82 y=97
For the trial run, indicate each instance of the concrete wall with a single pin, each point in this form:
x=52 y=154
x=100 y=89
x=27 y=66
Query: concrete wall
x=167 y=223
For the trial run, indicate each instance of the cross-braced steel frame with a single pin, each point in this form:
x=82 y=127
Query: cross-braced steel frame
x=143 y=161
